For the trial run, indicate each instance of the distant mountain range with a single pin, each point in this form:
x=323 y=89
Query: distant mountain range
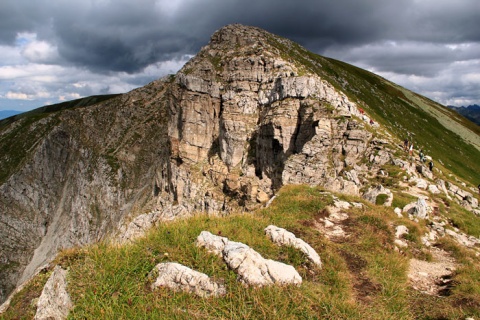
x=471 y=112
x=8 y=113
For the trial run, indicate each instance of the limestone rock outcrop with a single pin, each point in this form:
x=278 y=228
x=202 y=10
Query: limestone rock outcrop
x=54 y=302
x=372 y=194
x=418 y=209
x=283 y=237
x=181 y=278
x=251 y=267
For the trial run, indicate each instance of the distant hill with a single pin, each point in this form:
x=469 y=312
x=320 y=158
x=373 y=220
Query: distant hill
x=8 y=113
x=471 y=112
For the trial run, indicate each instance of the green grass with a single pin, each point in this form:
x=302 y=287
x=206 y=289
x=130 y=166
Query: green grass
x=362 y=277
x=405 y=113
x=463 y=219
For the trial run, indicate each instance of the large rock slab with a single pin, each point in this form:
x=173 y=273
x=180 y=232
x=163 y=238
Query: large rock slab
x=251 y=267
x=283 y=237
x=181 y=278
x=54 y=302
x=254 y=270
x=419 y=209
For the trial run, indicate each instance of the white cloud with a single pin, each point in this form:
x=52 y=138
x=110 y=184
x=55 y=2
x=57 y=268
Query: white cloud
x=40 y=52
x=18 y=96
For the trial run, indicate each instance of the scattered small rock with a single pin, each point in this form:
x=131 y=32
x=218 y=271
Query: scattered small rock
x=432 y=278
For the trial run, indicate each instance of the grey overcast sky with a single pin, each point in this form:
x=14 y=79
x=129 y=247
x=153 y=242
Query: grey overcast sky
x=56 y=50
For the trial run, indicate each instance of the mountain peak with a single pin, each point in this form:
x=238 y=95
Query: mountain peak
x=237 y=34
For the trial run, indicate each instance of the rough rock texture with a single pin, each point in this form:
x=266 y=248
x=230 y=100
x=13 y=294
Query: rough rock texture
x=86 y=169
x=54 y=302
x=419 y=209
x=213 y=244
x=463 y=239
x=465 y=198
x=372 y=193
x=178 y=277
x=251 y=267
x=237 y=122
x=283 y=237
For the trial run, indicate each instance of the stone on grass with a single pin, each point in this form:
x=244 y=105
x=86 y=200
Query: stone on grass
x=400 y=231
x=283 y=237
x=341 y=204
x=181 y=278
x=398 y=211
x=211 y=242
x=463 y=239
x=422 y=184
x=372 y=194
x=251 y=267
x=54 y=302
x=418 y=209
x=254 y=270
x=433 y=189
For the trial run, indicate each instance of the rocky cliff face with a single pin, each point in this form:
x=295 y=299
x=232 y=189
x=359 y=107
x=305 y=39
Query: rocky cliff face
x=237 y=122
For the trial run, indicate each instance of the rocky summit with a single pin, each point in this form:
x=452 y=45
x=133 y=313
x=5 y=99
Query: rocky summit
x=250 y=113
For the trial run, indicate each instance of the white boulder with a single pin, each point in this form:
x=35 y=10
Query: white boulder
x=54 y=302
x=283 y=237
x=418 y=209
x=181 y=278
x=251 y=267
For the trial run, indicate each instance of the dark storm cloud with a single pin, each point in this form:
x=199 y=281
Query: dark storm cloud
x=129 y=35
x=402 y=38
x=20 y=16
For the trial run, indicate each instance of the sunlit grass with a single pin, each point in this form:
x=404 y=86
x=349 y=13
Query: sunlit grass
x=362 y=277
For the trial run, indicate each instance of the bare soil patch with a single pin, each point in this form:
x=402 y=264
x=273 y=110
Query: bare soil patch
x=363 y=286
x=433 y=277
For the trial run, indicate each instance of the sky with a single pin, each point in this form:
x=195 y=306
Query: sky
x=58 y=50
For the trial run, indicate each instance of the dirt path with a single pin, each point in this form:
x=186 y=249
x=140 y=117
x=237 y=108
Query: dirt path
x=432 y=277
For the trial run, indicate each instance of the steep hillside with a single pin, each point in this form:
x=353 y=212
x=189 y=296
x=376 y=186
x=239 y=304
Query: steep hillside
x=438 y=130
x=249 y=114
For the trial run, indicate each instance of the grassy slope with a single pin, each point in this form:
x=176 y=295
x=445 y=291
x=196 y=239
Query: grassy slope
x=362 y=277
x=434 y=128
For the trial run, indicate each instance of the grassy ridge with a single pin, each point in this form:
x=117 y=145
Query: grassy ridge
x=362 y=277
x=406 y=115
